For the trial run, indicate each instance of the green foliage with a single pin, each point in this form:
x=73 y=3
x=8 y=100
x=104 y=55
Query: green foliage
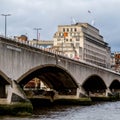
x=16 y=109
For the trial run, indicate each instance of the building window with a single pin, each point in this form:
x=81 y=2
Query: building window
x=75 y=29
x=67 y=29
x=61 y=34
x=63 y=29
x=66 y=39
x=71 y=29
x=72 y=34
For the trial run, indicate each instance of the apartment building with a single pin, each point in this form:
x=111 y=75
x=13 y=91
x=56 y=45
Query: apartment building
x=82 y=41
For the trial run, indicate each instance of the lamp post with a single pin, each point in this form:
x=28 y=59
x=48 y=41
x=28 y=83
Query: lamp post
x=5 y=15
x=37 y=29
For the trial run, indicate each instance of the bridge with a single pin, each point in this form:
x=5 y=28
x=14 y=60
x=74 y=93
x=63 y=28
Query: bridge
x=22 y=61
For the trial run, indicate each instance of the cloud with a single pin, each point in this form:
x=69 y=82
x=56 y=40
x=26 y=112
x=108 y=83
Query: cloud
x=48 y=14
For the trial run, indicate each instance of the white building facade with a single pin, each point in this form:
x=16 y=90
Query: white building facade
x=82 y=41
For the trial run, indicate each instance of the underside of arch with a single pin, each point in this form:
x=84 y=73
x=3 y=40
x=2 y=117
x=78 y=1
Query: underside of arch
x=115 y=85
x=55 y=77
x=94 y=83
x=4 y=80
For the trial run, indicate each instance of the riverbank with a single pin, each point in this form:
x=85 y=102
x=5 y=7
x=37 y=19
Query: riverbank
x=85 y=101
x=115 y=97
x=16 y=109
x=98 y=111
x=47 y=102
x=27 y=108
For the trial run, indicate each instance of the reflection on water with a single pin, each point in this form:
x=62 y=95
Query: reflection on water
x=101 y=111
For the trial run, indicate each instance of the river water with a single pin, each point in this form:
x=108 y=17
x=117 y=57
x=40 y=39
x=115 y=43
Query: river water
x=99 y=111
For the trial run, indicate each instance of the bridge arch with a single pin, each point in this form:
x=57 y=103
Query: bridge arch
x=94 y=84
x=115 y=85
x=54 y=76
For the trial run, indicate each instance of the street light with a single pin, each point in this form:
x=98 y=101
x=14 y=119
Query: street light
x=5 y=15
x=37 y=29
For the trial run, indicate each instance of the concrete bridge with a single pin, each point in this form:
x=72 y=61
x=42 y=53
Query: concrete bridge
x=22 y=61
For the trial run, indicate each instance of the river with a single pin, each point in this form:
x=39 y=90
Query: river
x=99 y=111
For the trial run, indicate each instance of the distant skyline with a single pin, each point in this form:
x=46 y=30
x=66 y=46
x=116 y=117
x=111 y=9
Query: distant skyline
x=48 y=14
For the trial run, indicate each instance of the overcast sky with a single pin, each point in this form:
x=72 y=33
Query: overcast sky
x=48 y=14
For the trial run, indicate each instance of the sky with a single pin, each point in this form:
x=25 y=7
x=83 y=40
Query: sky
x=48 y=14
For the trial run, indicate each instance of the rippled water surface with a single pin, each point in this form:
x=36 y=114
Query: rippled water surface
x=101 y=111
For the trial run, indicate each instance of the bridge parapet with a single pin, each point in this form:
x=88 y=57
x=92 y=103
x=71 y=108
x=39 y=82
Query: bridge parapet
x=28 y=44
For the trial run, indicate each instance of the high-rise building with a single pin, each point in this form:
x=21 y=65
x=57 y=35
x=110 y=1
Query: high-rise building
x=82 y=41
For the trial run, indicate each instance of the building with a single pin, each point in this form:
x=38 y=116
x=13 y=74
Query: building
x=42 y=43
x=35 y=83
x=115 y=61
x=22 y=37
x=82 y=41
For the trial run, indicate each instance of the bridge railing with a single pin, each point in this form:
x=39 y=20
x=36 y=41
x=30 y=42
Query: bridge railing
x=33 y=45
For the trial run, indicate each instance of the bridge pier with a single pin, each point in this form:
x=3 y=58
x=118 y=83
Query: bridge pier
x=108 y=92
x=80 y=98
x=15 y=102
x=81 y=92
